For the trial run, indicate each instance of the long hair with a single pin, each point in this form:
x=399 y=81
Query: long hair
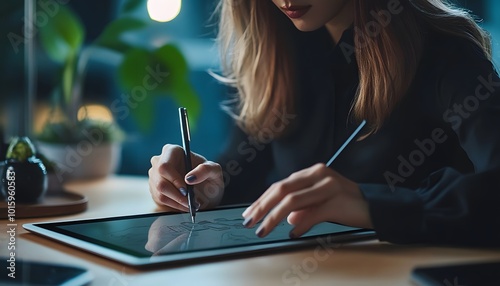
x=256 y=60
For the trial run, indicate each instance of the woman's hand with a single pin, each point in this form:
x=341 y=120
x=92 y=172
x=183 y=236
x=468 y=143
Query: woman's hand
x=168 y=180
x=308 y=197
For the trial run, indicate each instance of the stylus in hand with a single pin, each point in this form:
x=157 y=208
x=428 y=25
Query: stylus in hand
x=186 y=139
x=361 y=125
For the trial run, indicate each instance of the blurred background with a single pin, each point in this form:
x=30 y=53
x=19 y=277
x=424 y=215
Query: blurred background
x=192 y=31
x=148 y=122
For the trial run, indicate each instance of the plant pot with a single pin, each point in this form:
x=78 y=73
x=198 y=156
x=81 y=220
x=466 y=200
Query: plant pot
x=24 y=182
x=83 y=160
x=2 y=168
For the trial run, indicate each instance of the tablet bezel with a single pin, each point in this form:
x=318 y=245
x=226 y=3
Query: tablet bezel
x=46 y=229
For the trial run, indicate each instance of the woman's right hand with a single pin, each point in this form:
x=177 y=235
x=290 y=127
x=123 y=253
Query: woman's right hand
x=168 y=180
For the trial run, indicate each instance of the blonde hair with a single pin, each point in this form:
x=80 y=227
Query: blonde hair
x=256 y=60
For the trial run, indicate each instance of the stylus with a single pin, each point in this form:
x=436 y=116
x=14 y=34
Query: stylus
x=361 y=125
x=186 y=139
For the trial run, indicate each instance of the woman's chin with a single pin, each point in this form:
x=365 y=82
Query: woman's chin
x=306 y=27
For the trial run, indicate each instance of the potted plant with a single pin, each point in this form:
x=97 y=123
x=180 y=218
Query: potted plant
x=84 y=147
x=23 y=175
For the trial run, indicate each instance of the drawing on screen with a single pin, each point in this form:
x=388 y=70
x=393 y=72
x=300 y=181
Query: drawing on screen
x=205 y=234
x=165 y=235
x=134 y=233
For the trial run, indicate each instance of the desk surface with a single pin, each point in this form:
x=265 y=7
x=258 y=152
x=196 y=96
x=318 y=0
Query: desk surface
x=367 y=263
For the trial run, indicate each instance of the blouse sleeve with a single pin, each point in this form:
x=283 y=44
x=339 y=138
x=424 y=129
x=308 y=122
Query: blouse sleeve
x=246 y=165
x=450 y=207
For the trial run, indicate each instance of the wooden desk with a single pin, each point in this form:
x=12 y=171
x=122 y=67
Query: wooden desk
x=367 y=263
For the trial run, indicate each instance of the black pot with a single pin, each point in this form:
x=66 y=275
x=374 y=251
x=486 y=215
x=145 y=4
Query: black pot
x=25 y=181
x=3 y=150
x=2 y=165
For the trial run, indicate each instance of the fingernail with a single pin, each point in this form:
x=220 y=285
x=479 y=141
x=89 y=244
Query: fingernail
x=292 y=235
x=247 y=222
x=245 y=213
x=183 y=191
x=191 y=178
x=197 y=206
x=260 y=232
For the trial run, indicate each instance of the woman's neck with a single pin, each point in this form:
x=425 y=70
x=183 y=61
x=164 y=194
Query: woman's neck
x=341 y=21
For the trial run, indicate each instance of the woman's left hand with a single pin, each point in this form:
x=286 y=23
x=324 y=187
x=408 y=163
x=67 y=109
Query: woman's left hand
x=308 y=197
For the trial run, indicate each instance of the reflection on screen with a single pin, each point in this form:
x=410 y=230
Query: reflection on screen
x=168 y=234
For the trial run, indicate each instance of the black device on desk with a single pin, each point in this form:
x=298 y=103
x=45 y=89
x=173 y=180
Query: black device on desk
x=29 y=273
x=470 y=274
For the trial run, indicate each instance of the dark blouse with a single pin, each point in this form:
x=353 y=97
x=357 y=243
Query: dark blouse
x=431 y=174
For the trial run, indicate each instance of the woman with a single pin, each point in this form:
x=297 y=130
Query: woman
x=427 y=168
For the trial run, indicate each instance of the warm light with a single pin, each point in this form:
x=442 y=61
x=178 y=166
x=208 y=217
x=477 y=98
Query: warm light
x=95 y=111
x=45 y=113
x=164 y=10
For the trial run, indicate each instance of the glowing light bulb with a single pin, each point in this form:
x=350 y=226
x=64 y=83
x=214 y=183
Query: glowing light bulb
x=164 y=10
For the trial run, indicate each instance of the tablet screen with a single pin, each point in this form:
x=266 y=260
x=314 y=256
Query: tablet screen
x=163 y=235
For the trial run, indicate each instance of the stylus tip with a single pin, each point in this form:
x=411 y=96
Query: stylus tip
x=192 y=219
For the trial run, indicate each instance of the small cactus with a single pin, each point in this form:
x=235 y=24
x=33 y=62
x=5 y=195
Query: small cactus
x=20 y=149
x=29 y=182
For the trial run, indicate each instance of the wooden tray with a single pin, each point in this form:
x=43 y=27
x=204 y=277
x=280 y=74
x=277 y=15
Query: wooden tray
x=53 y=204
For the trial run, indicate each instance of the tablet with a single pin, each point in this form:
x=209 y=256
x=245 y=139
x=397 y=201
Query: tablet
x=32 y=273
x=140 y=240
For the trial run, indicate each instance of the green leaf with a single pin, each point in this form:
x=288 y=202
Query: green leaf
x=178 y=85
x=132 y=5
x=184 y=95
x=133 y=69
x=111 y=37
x=161 y=72
x=63 y=35
x=168 y=62
x=132 y=74
x=144 y=115
x=170 y=56
x=162 y=67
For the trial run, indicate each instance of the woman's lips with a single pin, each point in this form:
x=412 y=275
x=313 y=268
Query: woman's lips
x=296 y=12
